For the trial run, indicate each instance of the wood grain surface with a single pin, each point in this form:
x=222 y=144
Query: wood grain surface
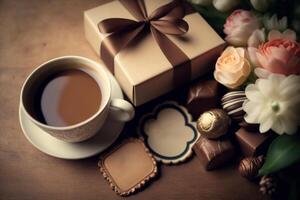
x=31 y=32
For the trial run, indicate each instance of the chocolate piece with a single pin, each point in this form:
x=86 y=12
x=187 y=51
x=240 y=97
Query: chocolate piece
x=128 y=166
x=213 y=124
x=249 y=127
x=249 y=167
x=232 y=103
x=213 y=153
x=202 y=96
x=253 y=143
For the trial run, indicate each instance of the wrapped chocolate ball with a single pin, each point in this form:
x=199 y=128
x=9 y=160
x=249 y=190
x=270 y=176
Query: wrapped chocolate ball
x=269 y=185
x=250 y=166
x=232 y=103
x=213 y=124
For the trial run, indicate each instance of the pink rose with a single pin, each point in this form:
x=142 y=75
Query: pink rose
x=239 y=26
x=280 y=54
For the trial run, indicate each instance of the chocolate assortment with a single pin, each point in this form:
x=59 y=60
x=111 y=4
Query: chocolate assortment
x=237 y=100
x=232 y=103
x=249 y=167
x=213 y=124
x=252 y=143
x=202 y=96
x=213 y=153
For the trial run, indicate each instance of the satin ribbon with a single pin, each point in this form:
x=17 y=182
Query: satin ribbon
x=165 y=20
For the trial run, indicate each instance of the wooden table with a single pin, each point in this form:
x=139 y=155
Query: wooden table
x=31 y=32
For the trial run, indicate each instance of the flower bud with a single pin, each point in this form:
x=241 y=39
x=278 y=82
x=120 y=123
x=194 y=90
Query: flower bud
x=260 y=5
x=225 y=5
x=201 y=2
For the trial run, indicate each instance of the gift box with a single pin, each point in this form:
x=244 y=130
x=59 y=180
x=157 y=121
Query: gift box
x=152 y=46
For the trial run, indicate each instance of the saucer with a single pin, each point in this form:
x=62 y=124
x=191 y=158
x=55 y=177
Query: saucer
x=60 y=149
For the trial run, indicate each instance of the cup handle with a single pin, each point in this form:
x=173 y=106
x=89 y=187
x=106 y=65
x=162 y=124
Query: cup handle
x=121 y=110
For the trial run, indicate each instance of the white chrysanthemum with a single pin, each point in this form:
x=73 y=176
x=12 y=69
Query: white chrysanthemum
x=274 y=103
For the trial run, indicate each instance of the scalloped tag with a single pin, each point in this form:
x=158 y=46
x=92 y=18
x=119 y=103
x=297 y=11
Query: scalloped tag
x=128 y=166
x=169 y=132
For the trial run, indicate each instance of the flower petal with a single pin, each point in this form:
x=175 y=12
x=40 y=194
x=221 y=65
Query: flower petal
x=278 y=126
x=266 y=114
x=266 y=87
x=289 y=125
x=274 y=34
x=266 y=125
x=289 y=34
x=252 y=55
x=261 y=72
x=255 y=111
x=290 y=86
x=253 y=94
x=256 y=38
x=262 y=60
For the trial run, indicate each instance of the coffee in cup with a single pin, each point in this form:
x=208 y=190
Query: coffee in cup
x=70 y=98
x=65 y=98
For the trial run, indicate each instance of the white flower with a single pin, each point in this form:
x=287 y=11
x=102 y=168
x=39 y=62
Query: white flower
x=274 y=103
x=260 y=5
x=225 y=5
x=273 y=22
x=201 y=2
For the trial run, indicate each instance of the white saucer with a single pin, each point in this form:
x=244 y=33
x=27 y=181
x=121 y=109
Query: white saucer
x=57 y=148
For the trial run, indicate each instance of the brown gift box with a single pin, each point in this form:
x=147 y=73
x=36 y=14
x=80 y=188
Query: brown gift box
x=143 y=71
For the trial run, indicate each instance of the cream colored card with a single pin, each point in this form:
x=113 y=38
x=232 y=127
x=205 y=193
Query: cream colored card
x=168 y=132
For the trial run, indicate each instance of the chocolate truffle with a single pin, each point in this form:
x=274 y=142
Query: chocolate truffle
x=213 y=153
x=202 y=96
x=213 y=124
x=232 y=103
x=250 y=166
x=253 y=143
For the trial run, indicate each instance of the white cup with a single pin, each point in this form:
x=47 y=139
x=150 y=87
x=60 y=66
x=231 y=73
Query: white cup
x=120 y=109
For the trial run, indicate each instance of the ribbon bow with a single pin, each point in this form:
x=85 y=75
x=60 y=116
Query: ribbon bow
x=165 y=20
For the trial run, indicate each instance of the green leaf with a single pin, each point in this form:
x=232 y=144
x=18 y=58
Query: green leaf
x=283 y=152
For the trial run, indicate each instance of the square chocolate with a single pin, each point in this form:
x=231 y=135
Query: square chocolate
x=202 y=96
x=213 y=153
x=128 y=167
x=253 y=143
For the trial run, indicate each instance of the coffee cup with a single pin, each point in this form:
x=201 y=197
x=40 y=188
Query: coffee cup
x=117 y=109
